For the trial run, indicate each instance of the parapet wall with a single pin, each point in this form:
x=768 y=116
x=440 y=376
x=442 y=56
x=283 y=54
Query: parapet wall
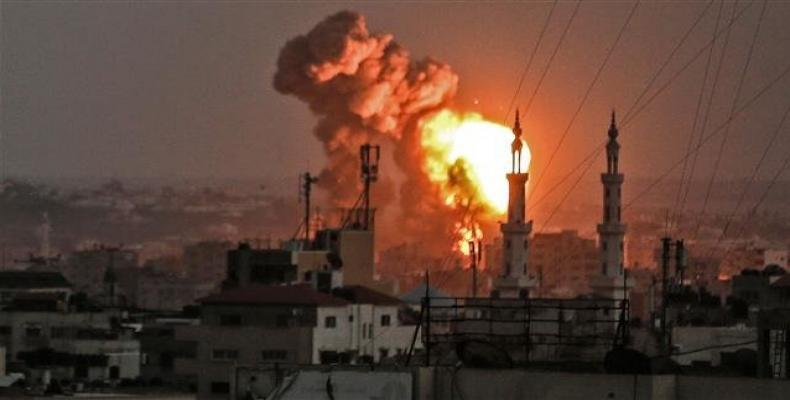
x=442 y=383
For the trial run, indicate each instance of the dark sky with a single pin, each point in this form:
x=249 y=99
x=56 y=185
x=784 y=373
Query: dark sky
x=183 y=89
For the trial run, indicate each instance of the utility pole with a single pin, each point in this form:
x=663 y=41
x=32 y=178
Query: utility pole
x=680 y=260
x=666 y=244
x=369 y=156
x=306 y=185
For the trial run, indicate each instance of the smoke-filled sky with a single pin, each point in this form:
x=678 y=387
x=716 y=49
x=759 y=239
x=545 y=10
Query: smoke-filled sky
x=185 y=89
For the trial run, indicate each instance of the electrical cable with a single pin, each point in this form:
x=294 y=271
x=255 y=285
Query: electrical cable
x=726 y=123
x=587 y=93
x=684 y=67
x=630 y=114
x=668 y=59
x=529 y=61
x=705 y=123
x=732 y=107
x=692 y=134
x=551 y=58
x=745 y=190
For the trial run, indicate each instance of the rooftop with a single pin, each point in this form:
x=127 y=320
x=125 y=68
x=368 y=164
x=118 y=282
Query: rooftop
x=32 y=280
x=362 y=295
x=302 y=295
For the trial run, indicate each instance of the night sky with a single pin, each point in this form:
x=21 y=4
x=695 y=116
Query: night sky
x=184 y=89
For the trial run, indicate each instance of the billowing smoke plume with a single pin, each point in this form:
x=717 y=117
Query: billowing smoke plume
x=365 y=87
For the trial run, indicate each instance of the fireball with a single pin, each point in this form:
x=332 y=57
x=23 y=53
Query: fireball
x=467 y=157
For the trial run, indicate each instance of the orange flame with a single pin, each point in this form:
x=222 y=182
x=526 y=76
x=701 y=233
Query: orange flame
x=466 y=158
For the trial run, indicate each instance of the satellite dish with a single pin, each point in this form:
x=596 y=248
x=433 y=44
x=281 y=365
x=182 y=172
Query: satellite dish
x=481 y=354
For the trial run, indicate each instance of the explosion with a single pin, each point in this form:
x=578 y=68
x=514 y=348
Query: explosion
x=364 y=87
x=469 y=157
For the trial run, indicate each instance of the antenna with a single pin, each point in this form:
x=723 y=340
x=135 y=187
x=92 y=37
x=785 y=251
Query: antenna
x=369 y=156
x=307 y=181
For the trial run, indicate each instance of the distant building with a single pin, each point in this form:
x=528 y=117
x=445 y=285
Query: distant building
x=160 y=349
x=206 y=261
x=13 y=283
x=166 y=292
x=79 y=346
x=86 y=269
x=564 y=263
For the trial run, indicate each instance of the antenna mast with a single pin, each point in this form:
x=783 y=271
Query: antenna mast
x=369 y=156
x=307 y=181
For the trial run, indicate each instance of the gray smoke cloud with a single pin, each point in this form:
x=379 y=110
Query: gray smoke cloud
x=363 y=86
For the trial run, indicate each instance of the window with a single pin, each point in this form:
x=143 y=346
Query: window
x=370 y=330
x=350 y=318
x=308 y=276
x=230 y=320
x=277 y=355
x=220 y=387
x=385 y=320
x=507 y=244
x=606 y=193
x=526 y=243
x=383 y=353
x=364 y=330
x=33 y=331
x=5 y=330
x=224 y=354
x=282 y=321
x=57 y=332
x=603 y=268
x=604 y=245
x=330 y=322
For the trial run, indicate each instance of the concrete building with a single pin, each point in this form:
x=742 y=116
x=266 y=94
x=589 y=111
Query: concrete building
x=564 y=262
x=292 y=324
x=86 y=269
x=515 y=279
x=78 y=346
x=611 y=281
x=169 y=293
x=160 y=349
x=14 y=283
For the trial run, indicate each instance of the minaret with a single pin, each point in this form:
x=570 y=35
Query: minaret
x=611 y=281
x=514 y=280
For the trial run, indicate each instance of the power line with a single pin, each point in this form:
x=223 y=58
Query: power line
x=760 y=201
x=732 y=108
x=668 y=59
x=529 y=61
x=745 y=190
x=551 y=58
x=596 y=152
x=726 y=123
x=705 y=121
x=678 y=195
x=627 y=121
x=587 y=93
